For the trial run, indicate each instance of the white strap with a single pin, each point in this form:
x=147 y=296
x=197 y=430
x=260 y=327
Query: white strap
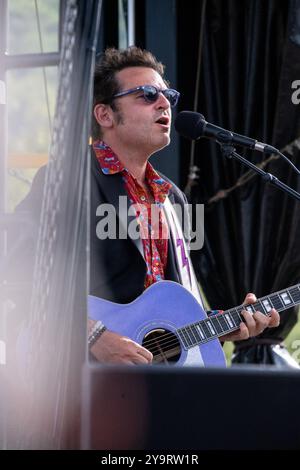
x=185 y=267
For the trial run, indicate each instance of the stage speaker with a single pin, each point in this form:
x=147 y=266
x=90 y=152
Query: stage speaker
x=168 y=408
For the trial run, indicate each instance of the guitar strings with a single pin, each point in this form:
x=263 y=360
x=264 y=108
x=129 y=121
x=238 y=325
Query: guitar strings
x=169 y=335
x=164 y=339
x=170 y=339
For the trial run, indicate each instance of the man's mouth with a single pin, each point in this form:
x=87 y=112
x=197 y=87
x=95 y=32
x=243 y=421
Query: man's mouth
x=163 y=120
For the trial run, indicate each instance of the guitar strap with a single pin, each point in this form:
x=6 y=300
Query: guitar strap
x=185 y=268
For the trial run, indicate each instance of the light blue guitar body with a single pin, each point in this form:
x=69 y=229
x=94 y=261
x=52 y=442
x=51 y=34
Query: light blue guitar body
x=158 y=320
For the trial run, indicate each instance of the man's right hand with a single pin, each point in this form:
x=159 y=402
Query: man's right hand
x=112 y=348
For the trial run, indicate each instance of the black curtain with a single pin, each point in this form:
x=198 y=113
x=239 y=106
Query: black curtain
x=250 y=57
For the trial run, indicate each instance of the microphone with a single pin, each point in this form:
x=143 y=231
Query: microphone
x=194 y=126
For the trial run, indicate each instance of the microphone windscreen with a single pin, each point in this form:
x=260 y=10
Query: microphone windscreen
x=189 y=124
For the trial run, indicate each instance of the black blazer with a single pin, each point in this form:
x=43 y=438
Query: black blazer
x=117 y=266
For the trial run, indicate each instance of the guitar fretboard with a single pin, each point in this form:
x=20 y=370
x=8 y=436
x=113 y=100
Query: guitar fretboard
x=223 y=323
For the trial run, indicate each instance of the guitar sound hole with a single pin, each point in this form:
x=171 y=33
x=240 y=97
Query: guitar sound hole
x=164 y=346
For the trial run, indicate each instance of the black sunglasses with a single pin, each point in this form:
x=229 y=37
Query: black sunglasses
x=151 y=93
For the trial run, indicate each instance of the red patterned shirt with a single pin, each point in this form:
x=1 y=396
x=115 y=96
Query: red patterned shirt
x=149 y=214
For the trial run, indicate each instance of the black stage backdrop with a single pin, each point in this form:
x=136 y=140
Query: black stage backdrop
x=250 y=58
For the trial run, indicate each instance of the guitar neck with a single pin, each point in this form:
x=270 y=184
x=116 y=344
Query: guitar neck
x=223 y=323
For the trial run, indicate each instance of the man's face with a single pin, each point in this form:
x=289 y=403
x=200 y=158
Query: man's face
x=136 y=123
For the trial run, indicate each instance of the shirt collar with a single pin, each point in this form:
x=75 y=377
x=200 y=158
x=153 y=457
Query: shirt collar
x=107 y=159
x=110 y=164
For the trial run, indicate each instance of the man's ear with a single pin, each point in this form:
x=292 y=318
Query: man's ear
x=103 y=115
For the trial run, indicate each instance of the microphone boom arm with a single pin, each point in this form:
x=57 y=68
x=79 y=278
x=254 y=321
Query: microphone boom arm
x=229 y=152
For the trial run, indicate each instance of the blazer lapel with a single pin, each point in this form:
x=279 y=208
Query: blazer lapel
x=114 y=191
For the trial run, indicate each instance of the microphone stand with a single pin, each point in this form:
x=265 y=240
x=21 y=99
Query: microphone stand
x=229 y=152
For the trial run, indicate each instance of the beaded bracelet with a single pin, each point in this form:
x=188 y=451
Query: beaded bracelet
x=96 y=332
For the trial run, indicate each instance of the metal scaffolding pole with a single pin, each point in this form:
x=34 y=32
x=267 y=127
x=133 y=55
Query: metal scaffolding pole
x=3 y=117
x=3 y=153
x=131 y=23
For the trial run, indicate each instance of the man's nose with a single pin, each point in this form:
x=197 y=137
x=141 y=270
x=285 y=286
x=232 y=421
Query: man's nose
x=162 y=101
